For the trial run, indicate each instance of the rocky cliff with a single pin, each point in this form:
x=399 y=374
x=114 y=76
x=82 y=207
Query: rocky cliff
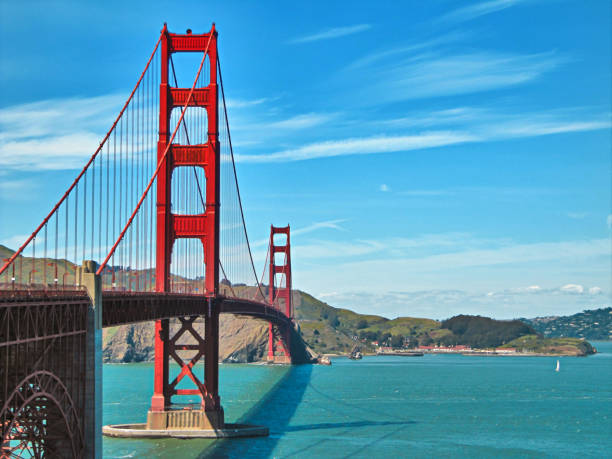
x=242 y=339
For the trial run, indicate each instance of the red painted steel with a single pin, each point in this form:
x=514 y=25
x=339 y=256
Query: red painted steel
x=204 y=227
x=282 y=292
x=189 y=155
x=42 y=376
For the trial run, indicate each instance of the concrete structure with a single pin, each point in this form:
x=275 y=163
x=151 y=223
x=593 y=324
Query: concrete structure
x=142 y=431
x=87 y=277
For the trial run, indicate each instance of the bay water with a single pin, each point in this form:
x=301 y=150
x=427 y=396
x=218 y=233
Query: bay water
x=431 y=406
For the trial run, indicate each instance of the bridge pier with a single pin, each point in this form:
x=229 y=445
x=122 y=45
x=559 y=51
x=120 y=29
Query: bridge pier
x=281 y=352
x=210 y=415
x=87 y=278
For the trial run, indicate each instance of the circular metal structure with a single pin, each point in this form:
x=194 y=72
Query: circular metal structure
x=39 y=420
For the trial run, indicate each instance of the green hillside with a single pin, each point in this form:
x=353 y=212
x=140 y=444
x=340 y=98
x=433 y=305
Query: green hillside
x=334 y=330
x=564 y=346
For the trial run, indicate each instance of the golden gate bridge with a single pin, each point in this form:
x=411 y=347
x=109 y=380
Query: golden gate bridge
x=158 y=207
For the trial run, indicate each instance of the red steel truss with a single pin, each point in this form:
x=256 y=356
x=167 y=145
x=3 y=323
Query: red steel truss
x=42 y=369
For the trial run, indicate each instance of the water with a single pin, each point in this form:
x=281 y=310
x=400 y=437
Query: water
x=436 y=405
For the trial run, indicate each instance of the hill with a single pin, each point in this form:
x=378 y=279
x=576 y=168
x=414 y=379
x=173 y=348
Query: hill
x=594 y=324
x=335 y=330
x=555 y=346
x=483 y=332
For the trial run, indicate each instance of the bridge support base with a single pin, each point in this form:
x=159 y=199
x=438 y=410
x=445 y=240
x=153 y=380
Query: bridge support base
x=141 y=431
x=281 y=359
x=185 y=420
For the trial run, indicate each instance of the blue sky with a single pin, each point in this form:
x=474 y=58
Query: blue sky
x=432 y=158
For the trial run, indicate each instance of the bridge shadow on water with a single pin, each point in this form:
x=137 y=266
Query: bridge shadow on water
x=274 y=410
x=279 y=405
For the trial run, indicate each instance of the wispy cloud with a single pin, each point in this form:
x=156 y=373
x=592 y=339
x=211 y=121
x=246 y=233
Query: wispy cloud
x=454 y=261
x=434 y=75
x=577 y=215
x=15 y=241
x=332 y=224
x=68 y=151
x=300 y=121
x=443 y=303
x=436 y=67
x=501 y=255
x=55 y=134
x=19 y=190
x=407 y=49
x=242 y=103
x=335 y=32
x=368 y=145
x=467 y=13
x=252 y=126
x=58 y=116
x=384 y=187
x=393 y=247
x=478 y=125
x=329 y=224
x=573 y=288
x=428 y=276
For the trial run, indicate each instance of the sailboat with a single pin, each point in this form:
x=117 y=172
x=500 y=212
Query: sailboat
x=557 y=369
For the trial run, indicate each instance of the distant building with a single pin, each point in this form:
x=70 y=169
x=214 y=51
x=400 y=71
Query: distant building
x=505 y=350
x=461 y=347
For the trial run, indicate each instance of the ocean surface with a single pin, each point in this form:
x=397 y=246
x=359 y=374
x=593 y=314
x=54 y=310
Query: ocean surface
x=431 y=406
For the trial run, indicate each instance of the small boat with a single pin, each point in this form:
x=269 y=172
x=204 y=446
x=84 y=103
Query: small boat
x=557 y=369
x=355 y=353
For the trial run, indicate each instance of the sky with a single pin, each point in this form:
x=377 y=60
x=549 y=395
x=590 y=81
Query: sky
x=432 y=158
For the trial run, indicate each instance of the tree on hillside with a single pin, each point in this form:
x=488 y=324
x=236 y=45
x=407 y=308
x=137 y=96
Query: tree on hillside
x=426 y=340
x=362 y=324
x=397 y=341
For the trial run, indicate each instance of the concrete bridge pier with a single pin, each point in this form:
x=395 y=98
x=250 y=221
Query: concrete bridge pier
x=92 y=283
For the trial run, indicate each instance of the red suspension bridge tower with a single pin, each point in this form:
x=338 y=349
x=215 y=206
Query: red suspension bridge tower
x=280 y=296
x=204 y=227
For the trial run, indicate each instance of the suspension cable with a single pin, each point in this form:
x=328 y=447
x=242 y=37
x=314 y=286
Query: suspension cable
x=162 y=159
x=229 y=138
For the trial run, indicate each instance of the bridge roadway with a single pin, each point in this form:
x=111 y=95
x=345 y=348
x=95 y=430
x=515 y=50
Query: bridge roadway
x=119 y=308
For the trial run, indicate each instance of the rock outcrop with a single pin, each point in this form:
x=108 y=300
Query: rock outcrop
x=241 y=340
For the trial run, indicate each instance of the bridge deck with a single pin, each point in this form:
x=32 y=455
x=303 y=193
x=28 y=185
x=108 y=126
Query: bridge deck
x=119 y=308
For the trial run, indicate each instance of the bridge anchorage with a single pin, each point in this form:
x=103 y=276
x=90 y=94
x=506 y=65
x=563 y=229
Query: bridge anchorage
x=148 y=207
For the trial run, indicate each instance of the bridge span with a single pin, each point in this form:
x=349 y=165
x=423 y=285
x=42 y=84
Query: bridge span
x=158 y=207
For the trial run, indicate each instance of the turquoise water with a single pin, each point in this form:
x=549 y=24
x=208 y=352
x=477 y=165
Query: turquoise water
x=436 y=405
